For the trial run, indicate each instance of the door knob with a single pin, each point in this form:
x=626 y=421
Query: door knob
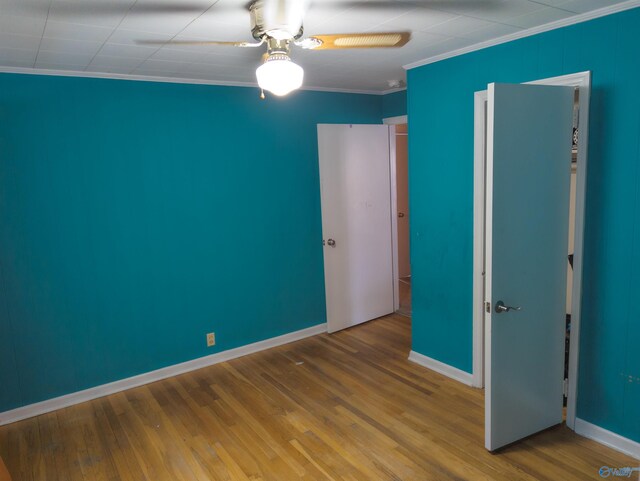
x=501 y=307
x=400 y=214
x=331 y=243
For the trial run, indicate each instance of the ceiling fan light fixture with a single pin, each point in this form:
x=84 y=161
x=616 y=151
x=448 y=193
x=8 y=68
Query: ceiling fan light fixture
x=279 y=75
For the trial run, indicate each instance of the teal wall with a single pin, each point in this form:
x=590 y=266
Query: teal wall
x=135 y=217
x=440 y=106
x=395 y=104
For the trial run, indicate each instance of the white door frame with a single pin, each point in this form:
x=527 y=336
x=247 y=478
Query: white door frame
x=400 y=119
x=479 y=196
x=582 y=81
x=392 y=122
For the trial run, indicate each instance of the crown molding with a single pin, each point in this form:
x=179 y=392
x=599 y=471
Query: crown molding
x=393 y=91
x=344 y=91
x=175 y=80
x=117 y=76
x=565 y=22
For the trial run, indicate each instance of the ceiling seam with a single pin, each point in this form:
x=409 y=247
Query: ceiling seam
x=174 y=36
x=553 y=6
x=44 y=28
x=111 y=34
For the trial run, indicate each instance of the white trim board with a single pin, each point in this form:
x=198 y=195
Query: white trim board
x=393 y=191
x=67 y=400
x=175 y=80
x=565 y=22
x=441 y=368
x=479 y=146
x=400 y=119
x=608 y=438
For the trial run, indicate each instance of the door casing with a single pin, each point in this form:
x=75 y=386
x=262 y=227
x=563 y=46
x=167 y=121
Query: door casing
x=582 y=81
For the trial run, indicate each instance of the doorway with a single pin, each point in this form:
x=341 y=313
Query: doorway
x=581 y=83
x=402 y=215
x=365 y=221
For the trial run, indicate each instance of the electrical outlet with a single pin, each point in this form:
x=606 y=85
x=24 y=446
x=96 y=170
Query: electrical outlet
x=211 y=339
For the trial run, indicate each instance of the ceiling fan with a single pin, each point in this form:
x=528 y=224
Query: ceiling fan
x=277 y=24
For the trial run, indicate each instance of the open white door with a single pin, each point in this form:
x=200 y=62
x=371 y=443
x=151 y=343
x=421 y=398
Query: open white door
x=527 y=207
x=356 y=222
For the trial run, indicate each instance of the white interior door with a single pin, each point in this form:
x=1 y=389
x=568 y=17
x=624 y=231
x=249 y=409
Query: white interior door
x=527 y=188
x=356 y=222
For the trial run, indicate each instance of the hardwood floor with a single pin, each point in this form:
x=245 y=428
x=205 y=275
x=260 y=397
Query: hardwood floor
x=405 y=297
x=4 y=474
x=346 y=406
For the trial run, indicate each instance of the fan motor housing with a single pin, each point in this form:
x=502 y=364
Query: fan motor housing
x=279 y=26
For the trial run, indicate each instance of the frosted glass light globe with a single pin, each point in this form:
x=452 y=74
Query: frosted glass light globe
x=279 y=75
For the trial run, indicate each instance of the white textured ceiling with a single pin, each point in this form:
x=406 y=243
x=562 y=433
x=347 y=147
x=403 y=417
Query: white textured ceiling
x=52 y=34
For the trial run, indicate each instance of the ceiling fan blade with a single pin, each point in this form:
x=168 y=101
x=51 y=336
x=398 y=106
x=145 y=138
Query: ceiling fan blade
x=362 y=40
x=197 y=42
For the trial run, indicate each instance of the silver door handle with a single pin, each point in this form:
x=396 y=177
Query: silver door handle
x=331 y=243
x=501 y=307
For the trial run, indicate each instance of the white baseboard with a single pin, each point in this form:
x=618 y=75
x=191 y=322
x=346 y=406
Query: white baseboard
x=613 y=440
x=442 y=368
x=49 y=405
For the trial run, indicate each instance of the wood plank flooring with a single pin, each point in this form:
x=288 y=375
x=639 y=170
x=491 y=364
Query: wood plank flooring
x=346 y=406
x=4 y=474
x=405 y=296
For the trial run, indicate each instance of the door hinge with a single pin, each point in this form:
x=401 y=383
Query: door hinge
x=565 y=388
x=487 y=307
